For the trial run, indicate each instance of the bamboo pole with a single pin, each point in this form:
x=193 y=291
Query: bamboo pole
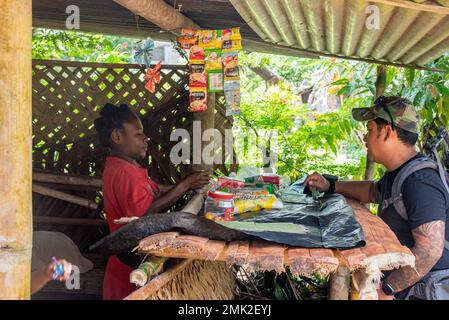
x=380 y=89
x=158 y=282
x=68 y=180
x=15 y=149
x=64 y=196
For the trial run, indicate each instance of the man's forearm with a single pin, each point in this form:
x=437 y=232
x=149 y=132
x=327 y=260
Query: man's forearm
x=429 y=246
x=363 y=191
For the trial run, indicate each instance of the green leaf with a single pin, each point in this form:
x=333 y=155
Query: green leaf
x=443 y=90
x=409 y=74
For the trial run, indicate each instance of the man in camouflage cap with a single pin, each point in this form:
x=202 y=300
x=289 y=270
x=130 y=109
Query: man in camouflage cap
x=394 y=110
x=392 y=134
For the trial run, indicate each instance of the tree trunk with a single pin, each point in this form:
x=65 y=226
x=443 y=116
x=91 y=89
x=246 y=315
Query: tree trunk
x=15 y=149
x=267 y=75
x=380 y=88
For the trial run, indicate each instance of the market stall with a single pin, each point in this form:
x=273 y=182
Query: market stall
x=65 y=97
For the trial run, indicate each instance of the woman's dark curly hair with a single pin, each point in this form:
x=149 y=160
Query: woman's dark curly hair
x=111 y=118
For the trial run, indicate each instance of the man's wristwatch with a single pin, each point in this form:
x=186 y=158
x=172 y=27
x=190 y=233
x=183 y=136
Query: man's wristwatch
x=387 y=288
x=332 y=179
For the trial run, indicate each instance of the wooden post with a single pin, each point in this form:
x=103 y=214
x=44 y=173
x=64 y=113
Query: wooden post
x=380 y=89
x=15 y=149
x=207 y=120
x=339 y=284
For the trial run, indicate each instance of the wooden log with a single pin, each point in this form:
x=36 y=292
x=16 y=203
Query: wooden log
x=67 y=180
x=70 y=221
x=159 y=13
x=15 y=149
x=73 y=182
x=64 y=196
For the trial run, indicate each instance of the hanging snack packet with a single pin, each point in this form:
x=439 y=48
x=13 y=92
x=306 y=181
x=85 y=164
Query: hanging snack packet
x=198 y=79
x=231 y=40
x=213 y=59
x=210 y=39
x=196 y=55
x=215 y=81
x=198 y=99
x=188 y=38
x=232 y=96
x=230 y=65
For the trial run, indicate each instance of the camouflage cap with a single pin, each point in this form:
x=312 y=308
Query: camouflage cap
x=396 y=109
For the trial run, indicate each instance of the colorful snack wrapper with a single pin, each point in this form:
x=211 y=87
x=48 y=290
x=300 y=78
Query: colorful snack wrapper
x=196 y=55
x=215 y=81
x=188 y=38
x=231 y=40
x=230 y=65
x=213 y=59
x=210 y=39
x=232 y=96
x=198 y=99
x=198 y=79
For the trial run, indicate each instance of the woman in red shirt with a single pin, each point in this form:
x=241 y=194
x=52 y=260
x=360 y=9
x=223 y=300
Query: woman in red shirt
x=128 y=191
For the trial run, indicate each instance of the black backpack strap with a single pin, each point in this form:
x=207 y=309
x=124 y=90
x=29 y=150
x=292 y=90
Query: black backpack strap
x=396 y=190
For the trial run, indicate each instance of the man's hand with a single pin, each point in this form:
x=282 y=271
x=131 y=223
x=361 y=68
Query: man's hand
x=317 y=181
x=197 y=180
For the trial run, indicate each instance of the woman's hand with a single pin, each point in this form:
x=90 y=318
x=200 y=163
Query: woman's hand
x=51 y=268
x=317 y=181
x=197 y=180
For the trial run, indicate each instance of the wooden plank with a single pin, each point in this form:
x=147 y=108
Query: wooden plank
x=64 y=196
x=70 y=221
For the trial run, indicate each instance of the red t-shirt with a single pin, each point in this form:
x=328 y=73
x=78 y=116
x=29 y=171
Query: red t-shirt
x=127 y=191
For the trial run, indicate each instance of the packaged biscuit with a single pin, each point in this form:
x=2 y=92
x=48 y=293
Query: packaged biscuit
x=198 y=99
x=196 y=55
x=188 y=38
x=213 y=59
x=231 y=40
x=215 y=81
x=209 y=39
x=232 y=97
x=230 y=65
x=198 y=79
x=252 y=202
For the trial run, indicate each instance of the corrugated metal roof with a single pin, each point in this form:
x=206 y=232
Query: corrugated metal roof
x=408 y=33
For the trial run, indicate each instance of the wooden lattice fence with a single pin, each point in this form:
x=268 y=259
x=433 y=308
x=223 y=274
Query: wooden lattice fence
x=67 y=98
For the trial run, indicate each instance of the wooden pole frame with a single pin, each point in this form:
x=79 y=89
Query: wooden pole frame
x=15 y=149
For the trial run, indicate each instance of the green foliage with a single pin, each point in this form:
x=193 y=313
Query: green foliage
x=77 y=46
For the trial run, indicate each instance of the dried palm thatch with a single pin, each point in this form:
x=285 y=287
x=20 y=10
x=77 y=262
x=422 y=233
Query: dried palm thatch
x=191 y=279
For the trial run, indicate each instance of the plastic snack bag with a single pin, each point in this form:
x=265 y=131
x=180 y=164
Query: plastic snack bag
x=231 y=40
x=198 y=99
x=230 y=65
x=210 y=39
x=212 y=58
x=253 y=203
x=232 y=97
x=196 y=55
x=215 y=81
x=197 y=76
x=188 y=38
